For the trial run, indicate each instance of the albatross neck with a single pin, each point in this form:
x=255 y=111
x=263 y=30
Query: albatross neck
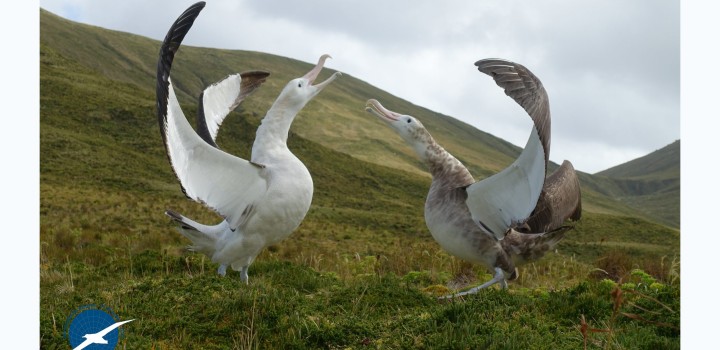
x=275 y=126
x=442 y=164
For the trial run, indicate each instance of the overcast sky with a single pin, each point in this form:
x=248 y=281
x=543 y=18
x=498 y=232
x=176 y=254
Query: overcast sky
x=611 y=67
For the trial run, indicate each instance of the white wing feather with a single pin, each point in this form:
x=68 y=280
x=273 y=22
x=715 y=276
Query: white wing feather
x=509 y=197
x=224 y=182
x=219 y=100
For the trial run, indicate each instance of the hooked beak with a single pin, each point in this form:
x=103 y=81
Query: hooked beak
x=313 y=74
x=374 y=107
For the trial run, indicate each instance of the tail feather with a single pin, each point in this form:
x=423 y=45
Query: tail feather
x=552 y=238
x=526 y=247
x=184 y=222
x=202 y=236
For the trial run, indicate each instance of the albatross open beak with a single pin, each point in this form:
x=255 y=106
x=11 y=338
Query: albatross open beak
x=313 y=74
x=374 y=107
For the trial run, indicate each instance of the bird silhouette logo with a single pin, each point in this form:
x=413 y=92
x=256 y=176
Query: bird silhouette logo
x=94 y=327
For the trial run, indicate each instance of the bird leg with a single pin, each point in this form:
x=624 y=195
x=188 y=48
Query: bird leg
x=498 y=278
x=503 y=283
x=244 y=274
x=221 y=270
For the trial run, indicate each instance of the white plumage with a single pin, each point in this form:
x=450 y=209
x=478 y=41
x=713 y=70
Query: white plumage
x=263 y=200
x=220 y=99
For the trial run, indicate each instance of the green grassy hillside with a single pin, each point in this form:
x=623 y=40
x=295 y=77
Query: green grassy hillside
x=661 y=164
x=362 y=269
x=650 y=183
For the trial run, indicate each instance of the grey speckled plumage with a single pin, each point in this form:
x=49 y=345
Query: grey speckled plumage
x=559 y=201
x=477 y=221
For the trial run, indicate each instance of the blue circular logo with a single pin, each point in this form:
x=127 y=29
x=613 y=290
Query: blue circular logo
x=94 y=327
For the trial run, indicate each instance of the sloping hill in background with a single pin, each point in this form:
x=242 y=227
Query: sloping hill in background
x=336 y=120
x=650 y=183
x=660 y=165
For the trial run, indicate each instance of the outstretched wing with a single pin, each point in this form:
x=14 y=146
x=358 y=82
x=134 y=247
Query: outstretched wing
x=560 y=200
x=219 y=99
x=223 y=182
x=509 y=197
x=524 y=88
x=169 y=47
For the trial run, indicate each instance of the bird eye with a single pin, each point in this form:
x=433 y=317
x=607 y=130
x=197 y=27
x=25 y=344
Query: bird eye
x=299 y=84
x=409 y=120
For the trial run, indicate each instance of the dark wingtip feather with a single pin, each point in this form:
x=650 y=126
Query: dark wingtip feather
x=169 y=47
x=520 y=84
x=251 y=81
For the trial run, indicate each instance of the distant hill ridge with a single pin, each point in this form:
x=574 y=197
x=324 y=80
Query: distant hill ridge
x=651 y=183
x=663 y=163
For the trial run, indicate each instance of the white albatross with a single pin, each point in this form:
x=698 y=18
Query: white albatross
x=476 y=221
x=262 y=200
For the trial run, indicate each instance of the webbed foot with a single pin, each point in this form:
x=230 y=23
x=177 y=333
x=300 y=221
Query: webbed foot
x=498 y=278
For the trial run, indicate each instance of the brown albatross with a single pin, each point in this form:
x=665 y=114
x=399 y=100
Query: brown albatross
x=480 y=221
